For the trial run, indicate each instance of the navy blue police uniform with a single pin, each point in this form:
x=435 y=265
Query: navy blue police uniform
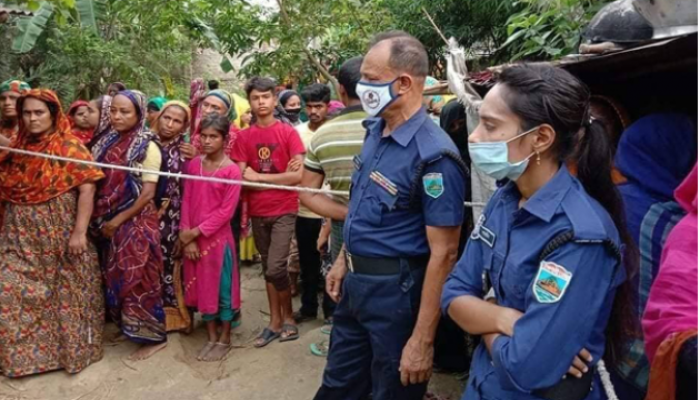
x=558 y=260
x=403 y=182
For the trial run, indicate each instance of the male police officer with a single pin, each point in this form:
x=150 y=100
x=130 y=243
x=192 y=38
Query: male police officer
x=401 y=234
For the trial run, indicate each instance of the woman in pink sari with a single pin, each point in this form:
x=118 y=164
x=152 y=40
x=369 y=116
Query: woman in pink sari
x=212 y=282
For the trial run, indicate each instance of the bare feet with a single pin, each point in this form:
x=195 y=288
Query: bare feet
x=202 y=353
x=146 y=351
x=218 y=352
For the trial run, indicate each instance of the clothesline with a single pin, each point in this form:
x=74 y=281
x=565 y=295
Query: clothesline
x=192 y=177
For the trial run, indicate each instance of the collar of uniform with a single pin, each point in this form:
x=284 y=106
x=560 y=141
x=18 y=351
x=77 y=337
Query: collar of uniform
x=545 y=202
x=404 y=133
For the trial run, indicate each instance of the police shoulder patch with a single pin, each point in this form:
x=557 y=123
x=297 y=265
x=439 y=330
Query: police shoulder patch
x=551 y=282
x=433 y=184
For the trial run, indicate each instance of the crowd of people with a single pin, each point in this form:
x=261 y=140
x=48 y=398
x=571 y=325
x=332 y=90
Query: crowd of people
x=579 y=276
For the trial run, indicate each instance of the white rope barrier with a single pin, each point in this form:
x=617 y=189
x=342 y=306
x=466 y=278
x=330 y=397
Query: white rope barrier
x=192 y=177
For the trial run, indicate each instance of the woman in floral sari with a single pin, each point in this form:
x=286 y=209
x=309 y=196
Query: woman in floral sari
x=126 y=220
x=51 y=302
x=169 y=128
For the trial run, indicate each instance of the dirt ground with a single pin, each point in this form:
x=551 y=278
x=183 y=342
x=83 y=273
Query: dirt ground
x=280 y=371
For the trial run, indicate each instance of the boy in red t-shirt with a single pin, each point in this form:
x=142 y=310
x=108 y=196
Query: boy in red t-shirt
x=272 y=152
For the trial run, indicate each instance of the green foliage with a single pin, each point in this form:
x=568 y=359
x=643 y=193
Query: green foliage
x=282 y=44
x=31 y=28
x=86 y=44
x=547 y=29
x=478 y=25
x=89 y=10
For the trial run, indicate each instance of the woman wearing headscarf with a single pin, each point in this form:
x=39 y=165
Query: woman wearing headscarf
x=288 y=108
x=671 y=317
x=99 y=116
x=9 y=118
x=51 y=302
x=170 y=128
x=654 y=155
x=126 y=221
x=153 y=108
x=215 y=101
x=80 y=121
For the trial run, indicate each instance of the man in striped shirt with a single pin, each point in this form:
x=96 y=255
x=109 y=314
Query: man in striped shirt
x=330 y=155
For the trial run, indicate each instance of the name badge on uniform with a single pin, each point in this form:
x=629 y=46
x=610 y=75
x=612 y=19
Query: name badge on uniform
x=475 y=231
x=551 y=282
x=358 y=162
x=487 y=236
x=433 y=184
x=384 y=182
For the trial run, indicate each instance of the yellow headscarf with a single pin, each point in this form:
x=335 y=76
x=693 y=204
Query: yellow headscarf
x=169 y=104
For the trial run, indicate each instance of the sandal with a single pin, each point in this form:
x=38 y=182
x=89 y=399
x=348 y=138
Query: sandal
x=320 y=349
x=287 y=328
x=327 y=327
x=267 y=335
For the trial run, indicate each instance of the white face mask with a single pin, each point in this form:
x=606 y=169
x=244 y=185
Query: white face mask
x=492 y=159
x=376 y=97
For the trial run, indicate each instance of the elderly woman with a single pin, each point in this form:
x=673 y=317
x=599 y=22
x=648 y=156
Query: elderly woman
x=126 y=221
x=51 y=304
x=170 y=128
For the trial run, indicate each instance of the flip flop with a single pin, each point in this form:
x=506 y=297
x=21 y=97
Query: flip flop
x=327 y=327
x=267 y=335
x=289 y=328
x=319 y=349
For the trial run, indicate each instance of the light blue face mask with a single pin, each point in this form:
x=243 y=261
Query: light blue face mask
x=492 y=159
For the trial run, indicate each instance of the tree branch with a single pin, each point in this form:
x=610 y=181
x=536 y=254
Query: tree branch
x=317 y=64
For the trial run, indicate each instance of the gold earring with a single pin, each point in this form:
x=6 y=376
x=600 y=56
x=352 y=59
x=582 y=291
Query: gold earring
x=539 y=159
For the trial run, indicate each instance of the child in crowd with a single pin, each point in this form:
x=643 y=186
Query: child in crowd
x=212 y=281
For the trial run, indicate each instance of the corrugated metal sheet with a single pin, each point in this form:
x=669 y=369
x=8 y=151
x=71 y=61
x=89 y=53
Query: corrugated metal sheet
x=13 y=11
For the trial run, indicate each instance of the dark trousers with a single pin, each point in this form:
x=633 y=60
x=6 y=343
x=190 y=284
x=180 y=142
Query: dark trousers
x=371 y=325
x=307 y=230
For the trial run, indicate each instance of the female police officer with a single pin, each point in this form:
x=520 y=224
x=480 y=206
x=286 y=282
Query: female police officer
x=548 y=247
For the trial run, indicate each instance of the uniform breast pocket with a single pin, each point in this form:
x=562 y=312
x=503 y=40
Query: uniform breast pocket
x=381 y=203
x=515 y=280
x=494 y=264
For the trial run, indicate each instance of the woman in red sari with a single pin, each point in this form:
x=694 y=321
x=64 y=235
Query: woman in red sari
x=51 y=301
x=126 y=221
x=79 y=115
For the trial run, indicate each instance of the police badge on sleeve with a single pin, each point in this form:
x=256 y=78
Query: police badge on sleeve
x=551 y=282
x=433 y=185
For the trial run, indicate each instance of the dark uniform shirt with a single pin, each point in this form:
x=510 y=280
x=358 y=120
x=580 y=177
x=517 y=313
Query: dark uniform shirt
x=403 y=183
x=566 y=298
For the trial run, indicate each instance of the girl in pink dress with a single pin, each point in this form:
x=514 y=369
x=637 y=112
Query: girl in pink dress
x=212 y=282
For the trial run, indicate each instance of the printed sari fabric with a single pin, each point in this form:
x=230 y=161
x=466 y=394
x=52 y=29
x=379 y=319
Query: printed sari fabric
x=177 y=316
x=210 y=206
x=51 y=302
x=132 y=260
x=33 y=180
